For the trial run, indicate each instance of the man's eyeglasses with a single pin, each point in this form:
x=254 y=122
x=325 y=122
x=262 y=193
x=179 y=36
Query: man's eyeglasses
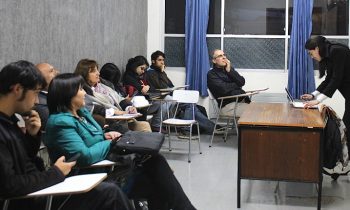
x=220 y=56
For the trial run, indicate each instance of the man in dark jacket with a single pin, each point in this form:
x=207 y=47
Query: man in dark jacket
x=20 y=83
x=224 y=80
x=48 y=72
x=156 y=75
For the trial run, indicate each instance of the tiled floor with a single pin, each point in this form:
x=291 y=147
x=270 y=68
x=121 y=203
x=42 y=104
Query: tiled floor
x=210 y=181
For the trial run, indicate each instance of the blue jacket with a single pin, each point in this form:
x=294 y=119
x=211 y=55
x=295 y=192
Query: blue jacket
x=67 y=135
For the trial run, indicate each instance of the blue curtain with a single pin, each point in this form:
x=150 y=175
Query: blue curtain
x=301 y=73
x=196 y=50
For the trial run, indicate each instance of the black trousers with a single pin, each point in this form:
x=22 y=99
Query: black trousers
x=105 y=196
x=346 y=120
x=155 y=182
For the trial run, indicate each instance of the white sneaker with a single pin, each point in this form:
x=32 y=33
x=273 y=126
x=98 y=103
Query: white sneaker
x=186 y=135
x=220 y=130
x=338 y=169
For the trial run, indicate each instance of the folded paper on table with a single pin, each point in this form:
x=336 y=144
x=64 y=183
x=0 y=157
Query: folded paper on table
x=139 y=101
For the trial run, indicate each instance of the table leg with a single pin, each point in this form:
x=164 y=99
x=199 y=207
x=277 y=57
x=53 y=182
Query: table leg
x=239 y=171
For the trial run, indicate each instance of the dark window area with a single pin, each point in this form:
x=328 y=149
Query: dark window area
x=253 y=17
x=175 y=11
x=263 y=17
x=174 y=16
x=329 y=17
x=214 y=23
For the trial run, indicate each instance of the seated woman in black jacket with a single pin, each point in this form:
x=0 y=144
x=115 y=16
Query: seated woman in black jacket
x=134 y=80
x=111 y=76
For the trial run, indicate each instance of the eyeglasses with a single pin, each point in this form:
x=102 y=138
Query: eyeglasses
x=220 y=56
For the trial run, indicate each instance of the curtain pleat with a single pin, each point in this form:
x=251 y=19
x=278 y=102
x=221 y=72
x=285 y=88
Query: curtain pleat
x=196 y=49
x=301 y=73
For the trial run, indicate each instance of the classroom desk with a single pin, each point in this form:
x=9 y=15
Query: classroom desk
x=282 y=143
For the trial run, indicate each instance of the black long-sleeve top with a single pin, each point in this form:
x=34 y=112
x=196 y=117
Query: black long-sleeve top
x=18 y=174
x=336 y=62
x=222 y=83
x=158 y=79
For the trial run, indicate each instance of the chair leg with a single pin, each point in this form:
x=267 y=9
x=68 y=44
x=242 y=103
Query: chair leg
x=199 y=139
x=64 y=202
x=169 y=139
x=48 y=202
x=226 y=130
x=5 y=205
x=235 y=121
x=189 y=145
x=212 y=136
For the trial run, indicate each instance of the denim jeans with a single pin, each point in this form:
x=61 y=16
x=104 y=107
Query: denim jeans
x=155 y=109
x=206 y=126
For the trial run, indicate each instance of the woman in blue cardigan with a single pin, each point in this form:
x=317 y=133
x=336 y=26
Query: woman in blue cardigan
x=71 y=129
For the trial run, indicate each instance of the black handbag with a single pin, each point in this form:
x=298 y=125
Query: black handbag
x=138 y=142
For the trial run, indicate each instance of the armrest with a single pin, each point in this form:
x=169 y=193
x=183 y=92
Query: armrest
x=258 y=90
x=100 y=164
x=237 y=96
x=71 y=185
x=162 y=99
x=103 y=163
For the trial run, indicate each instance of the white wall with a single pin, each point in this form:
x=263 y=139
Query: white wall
x=275 y=80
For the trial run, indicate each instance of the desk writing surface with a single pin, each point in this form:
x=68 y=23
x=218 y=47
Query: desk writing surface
x=280 y=114
x=72 y=185
x=123 y=116
x=172 y=89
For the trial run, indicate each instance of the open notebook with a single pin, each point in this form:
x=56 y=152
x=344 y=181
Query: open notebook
x=297 y=103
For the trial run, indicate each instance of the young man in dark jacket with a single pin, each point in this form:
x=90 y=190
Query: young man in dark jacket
x=156 y=75
x=20 y=83
x=158 y=79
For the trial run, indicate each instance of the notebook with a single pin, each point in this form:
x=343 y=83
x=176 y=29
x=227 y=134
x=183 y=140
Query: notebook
x=297 y=103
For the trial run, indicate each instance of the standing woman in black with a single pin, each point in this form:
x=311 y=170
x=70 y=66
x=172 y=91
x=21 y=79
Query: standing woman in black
x=334 y=62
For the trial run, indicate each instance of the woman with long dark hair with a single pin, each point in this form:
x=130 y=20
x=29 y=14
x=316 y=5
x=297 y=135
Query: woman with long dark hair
x=334 y=62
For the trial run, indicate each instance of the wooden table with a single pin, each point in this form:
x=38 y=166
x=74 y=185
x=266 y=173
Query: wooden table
x=282 y=143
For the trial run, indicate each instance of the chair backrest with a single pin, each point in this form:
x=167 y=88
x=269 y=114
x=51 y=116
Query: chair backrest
x=211 y=97
x=213 y=108
x=186 y=96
